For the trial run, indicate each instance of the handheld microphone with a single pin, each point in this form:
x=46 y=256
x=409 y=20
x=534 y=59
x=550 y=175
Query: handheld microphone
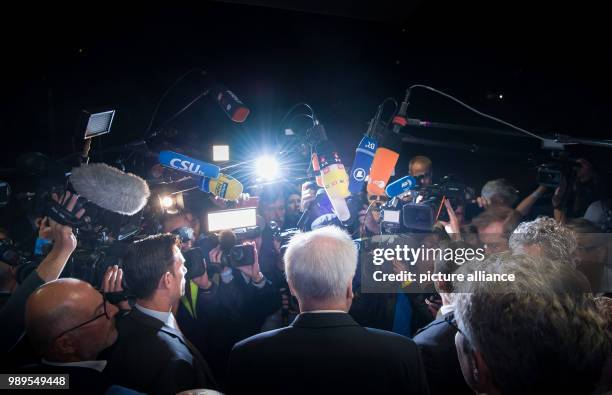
x=335 y=179
x=403 y=185
x=110 y=188
x=229 y=102
x=317 y=169
x=382 y=167
x=187 y=164
x=225 y=187
x=364 y=154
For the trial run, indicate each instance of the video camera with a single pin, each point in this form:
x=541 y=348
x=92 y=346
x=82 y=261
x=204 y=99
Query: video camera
x=283 y=237
x=230 y=229
x=423 y=208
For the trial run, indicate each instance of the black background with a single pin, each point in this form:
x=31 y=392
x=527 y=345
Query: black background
x=551 y=64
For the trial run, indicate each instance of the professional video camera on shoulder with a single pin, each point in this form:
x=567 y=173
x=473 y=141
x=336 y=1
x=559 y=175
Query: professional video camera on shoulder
x=110 y=198
x=112 y=201
x=560 y=166
x=416 y=208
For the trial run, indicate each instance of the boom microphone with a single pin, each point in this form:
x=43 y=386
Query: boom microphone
x=187 y=164
x=364 y=154
x=225 y=187
x=110 y=188
x=400 y=186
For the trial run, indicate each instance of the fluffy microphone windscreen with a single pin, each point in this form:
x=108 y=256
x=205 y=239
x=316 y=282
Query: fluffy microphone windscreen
x=110 y=188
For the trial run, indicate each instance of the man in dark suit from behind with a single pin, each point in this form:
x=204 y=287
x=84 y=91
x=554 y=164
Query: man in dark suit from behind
x=436 y=341
x=325 y=350
x=151 y=354
x=69 y=323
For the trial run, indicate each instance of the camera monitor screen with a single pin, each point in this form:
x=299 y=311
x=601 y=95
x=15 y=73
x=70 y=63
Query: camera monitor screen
x=232 y=219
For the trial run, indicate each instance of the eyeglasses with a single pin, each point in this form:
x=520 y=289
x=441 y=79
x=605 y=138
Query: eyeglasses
x=105 y=313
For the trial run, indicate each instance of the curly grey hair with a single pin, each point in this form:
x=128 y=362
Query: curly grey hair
x=500 y=191
x=541 y=333
x=554 y=240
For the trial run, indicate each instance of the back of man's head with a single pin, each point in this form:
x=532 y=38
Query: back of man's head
x=540 y=333
x=320 y=264
x=499 y=192
x=148 y=260
x=505 y=216
x=546 y=237
x=57 y=308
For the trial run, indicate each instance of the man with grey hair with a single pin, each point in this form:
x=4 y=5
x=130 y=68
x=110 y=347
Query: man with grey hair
x=499 y=192
x=324 y=350
x=544 y=237
x=538 y=334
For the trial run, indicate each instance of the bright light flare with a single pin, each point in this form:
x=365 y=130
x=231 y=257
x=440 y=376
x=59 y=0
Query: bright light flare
x=267 y=167
x=167 y=202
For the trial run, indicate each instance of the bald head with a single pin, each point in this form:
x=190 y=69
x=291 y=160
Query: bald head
x=421 y=166
x=64 y=304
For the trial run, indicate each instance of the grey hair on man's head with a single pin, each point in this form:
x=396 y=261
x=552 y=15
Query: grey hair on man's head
x=499 y=191
x=554 y=240
x=320 y=264
x=538 y=334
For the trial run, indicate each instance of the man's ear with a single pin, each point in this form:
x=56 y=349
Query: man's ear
x=481 y=375
x=64 y=345
x=165 y=281
x=349 y=291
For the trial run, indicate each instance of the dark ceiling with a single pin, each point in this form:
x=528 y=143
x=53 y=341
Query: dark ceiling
x=551 y=65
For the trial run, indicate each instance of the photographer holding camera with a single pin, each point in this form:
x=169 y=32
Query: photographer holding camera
x=64 y=243
x=576 y=191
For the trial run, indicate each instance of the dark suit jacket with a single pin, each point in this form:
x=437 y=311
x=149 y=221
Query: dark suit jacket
x=12 y=314
x=151 y=358
x=326 y=353
x=437 y=344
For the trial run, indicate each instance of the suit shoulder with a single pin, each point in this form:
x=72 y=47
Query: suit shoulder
x=390 y=338
x=434 y=333
x=261 y=338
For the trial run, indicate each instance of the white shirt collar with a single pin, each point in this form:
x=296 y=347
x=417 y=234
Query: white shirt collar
x=447 y=308
x=324 y=311
x=96 y=365
x=166 y=317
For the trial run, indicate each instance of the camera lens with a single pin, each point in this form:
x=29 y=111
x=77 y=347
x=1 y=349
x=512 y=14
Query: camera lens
x=237 y=253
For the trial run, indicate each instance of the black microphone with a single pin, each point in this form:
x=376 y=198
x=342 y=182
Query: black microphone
x=399 y=121
x=226 y=99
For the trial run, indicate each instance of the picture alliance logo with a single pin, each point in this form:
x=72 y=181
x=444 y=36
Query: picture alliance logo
x=359 y=174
